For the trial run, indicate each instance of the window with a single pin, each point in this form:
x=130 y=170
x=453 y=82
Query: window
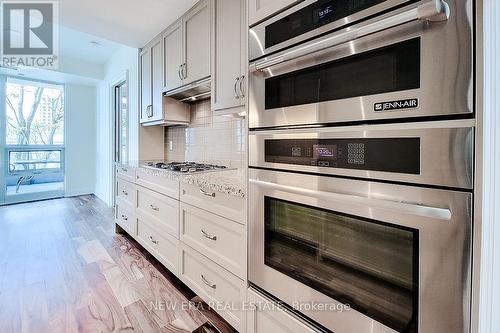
x=121 y=122
x=34 y=140
x=34 y=113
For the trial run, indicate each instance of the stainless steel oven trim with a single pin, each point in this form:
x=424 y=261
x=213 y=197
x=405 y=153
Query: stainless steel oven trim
x=446 y=151
x=427 y=11
x=257 y=33
x=446 y=78
x=445 y=257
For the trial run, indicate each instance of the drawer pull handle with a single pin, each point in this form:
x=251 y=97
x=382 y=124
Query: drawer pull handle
x=153 y=240
x=125 y=192
x=124 y=218
x=213 y=286
x=124 y=169
x=156 y=209
x=208 y=194
x=214 y=238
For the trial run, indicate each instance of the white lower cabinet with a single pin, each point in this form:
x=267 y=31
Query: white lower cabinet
x=226 y=205
x=153 y=180
x=216 y=237
x=125 y=216
x=161 y=245
x=222 y=290
x=158 y=209
x=262 y=317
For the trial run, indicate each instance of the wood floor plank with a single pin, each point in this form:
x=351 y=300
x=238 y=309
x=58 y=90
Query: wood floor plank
x=122 y=289
x=34 y=311
x=103 y=313
x=10 y=311
x=93 y=251
x=141 y=318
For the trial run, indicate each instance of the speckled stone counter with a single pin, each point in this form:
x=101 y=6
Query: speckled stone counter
x=231 y=182
x=226 y=181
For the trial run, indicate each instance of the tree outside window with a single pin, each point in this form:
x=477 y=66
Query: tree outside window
x=34 y=117
x=35 y=114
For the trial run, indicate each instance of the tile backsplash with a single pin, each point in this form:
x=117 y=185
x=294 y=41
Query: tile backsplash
x=209 y=138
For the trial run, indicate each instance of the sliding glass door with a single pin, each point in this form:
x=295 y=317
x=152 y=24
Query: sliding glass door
x=32 y=140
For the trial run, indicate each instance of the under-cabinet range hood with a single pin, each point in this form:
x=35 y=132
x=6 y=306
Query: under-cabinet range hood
x=191 y=92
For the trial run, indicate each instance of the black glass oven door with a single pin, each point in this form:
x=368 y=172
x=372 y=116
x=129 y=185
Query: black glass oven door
x=370 y=265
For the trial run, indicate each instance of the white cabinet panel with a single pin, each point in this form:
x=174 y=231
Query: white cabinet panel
x=197 y=42
x=146 y=84
x=213 y=284
x=263 y=318
x=173 y=54
x=258 y=10
x=219 y=239
x=157 y=80
x=228 y=54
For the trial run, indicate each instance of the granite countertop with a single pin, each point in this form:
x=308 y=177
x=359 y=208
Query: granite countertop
x=230 y=181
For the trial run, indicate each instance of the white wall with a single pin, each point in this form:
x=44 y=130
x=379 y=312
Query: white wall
x=80 y=115
x=123 y=62
x=487 y=223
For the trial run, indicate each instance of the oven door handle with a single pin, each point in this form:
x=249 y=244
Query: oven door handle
x=397 y=206
x=432 y=10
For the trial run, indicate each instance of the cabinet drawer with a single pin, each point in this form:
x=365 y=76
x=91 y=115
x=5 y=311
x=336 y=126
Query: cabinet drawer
x=213 y=284
x=158 y=209
x=265 y=318
x=125 y=173
x=125 y=216
x=218 y=238
x=226 y=205
x=162 y=246
x=126 y=192
x=155 y=181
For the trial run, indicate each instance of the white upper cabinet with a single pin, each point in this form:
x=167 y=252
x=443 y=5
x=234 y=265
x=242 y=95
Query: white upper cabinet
x=151 y=68
x=157 y=80
x=229 y=54
x=259 y=10
x=146 y=83
x=186 y=46
x=196 y=23
x=174 y=56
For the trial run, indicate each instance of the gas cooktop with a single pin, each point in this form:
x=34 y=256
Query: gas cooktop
x=186 y=167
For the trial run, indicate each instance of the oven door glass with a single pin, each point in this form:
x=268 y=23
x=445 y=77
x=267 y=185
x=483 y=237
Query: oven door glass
x=388 y=69
x=370 y=265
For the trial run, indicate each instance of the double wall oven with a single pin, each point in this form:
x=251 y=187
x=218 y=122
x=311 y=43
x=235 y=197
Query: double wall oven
x=361 y=163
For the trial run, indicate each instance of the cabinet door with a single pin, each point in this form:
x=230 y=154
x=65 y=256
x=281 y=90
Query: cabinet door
x=157 y=80
x=197 y=42
x=258 y=10
x=145 y=84
x=174 y=57
x=227 y=49
x=264 y=317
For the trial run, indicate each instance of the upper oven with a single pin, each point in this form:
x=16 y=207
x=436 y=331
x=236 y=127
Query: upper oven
x=394 y=60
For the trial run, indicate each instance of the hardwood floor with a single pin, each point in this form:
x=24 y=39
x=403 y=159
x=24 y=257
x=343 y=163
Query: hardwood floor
x=64 y=269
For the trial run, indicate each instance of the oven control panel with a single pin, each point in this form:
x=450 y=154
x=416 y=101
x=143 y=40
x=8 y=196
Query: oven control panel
x=401 y=155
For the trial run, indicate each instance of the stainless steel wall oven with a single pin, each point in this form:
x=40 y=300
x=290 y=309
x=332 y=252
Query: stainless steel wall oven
x=412 y=60
x=361 y=162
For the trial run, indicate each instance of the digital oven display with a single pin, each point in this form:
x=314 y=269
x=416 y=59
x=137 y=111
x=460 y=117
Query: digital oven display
x=325 y=151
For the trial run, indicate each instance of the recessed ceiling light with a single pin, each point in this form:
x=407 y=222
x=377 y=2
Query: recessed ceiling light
x=95 y=43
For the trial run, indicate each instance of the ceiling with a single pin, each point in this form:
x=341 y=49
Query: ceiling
x=129 y=22
x=79 y=45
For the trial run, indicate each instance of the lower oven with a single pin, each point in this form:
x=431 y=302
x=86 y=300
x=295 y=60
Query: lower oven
x=398 y=255
x=386 y=231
